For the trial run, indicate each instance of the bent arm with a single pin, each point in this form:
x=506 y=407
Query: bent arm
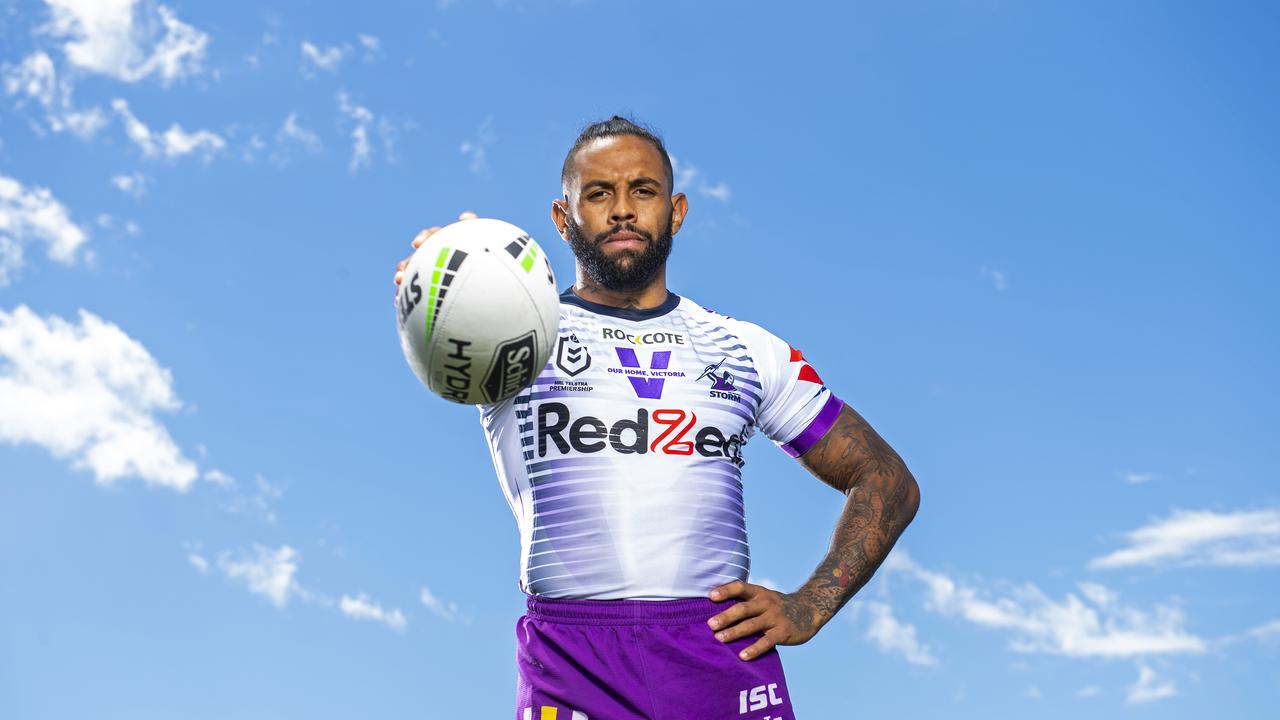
x=881 y=499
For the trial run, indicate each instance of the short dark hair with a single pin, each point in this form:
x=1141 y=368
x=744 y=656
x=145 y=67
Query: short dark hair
x=614 y=127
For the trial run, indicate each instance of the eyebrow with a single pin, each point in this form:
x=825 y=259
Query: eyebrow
x=642 y=180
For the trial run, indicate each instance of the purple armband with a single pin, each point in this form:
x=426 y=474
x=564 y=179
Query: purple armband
x=818 y=427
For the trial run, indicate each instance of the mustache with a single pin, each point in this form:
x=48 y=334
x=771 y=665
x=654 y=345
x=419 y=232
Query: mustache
x=621 y=227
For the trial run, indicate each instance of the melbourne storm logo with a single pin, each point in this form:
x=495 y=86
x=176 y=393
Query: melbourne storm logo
x=721 y=382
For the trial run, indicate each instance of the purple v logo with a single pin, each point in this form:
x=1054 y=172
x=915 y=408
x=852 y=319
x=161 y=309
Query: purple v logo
x=650 y=388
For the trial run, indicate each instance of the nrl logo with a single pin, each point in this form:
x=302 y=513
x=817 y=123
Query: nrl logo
x=572 y=356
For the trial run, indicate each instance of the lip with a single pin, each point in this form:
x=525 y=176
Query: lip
x=623 y=237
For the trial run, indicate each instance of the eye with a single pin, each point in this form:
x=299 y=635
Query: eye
x=645 y=192
x=596 y=194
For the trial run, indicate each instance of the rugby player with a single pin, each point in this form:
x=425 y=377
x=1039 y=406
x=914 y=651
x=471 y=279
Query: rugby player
x=621 y=463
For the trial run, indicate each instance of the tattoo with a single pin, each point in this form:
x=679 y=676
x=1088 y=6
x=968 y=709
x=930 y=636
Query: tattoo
x=882 y=498
x=629 y=302
x=800 y=613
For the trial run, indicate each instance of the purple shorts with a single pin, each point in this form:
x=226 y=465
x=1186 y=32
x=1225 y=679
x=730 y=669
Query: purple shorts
x=640 y=660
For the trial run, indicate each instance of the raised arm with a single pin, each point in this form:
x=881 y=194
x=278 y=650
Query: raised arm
x=881 y=498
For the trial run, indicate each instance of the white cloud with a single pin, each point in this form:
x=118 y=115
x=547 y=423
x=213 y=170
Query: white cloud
x=134 y=184
x=362 y=608
x=1089 y=691
x=361 y=152
x=219 y=478
x=766 y=582
x=478 y=147
x=1033 y=692
x=11 y=259
x=34 y=215
x=326 y=59
x=689 y=179
x=198 y=562
x=126 y=39
x=1148 y=687
x=1203 y=537
x=258 y=503
x=291 y=131
x=1264 y=631
x=999 y=278
x=1137 y=478
x=449 y=611
x=88 y=392
x=251 y=148
x=172 y=143
x=36 y=79
x=370 y=44
x=894 y=637
x=266 y=572
x=1100 y=627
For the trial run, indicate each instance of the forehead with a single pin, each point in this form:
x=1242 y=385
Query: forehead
x=618 y=157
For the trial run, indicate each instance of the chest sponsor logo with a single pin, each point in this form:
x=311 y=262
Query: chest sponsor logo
x=572 y=357
x=721 y=382
x=668 y=431
x=647 y=382
x=657 y=338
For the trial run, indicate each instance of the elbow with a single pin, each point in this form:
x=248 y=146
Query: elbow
x=910 y=498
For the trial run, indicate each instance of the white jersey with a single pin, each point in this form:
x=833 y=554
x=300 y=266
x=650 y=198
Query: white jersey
x=622 y=461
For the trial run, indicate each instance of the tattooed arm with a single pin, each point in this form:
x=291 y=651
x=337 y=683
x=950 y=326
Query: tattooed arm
x=881 y=499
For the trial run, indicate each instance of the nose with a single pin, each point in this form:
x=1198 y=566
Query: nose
x=622 y=210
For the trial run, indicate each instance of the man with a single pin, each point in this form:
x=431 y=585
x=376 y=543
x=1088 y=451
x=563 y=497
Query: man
x=622 y=465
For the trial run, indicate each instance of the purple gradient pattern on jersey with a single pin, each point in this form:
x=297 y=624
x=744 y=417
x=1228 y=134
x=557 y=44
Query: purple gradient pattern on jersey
x=808 y=437
x=639 y=660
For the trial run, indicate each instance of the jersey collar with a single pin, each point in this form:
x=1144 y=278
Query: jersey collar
x=667 y=306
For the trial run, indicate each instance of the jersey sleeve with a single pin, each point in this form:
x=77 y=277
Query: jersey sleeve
x=796 y=408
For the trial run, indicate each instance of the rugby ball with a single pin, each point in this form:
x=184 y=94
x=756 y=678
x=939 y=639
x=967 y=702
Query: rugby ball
x=478 y=311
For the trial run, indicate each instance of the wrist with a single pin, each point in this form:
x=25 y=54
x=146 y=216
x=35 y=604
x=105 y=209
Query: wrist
x=818 y=611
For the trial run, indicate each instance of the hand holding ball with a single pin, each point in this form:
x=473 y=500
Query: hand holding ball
x=478 y=311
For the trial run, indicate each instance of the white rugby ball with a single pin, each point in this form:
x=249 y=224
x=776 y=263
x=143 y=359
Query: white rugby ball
x=478 y=311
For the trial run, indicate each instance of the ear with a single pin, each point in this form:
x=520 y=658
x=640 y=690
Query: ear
x=560 y=216
x=679 y=208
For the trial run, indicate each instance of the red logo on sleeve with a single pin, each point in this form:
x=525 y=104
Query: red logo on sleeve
x=807 y=373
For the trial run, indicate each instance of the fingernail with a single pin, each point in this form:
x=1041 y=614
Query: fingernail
x=714 y=623
x=720 y=637
x=715 y=595
x=398 y=276
x=743 y=655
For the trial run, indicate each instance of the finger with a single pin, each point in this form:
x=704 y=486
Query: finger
x=737 y=588
x=746 y=628
x=422 y=236
x=402 y=264
x=734 y=614
x=398 y=276
x=758 y=648
x=467 y=215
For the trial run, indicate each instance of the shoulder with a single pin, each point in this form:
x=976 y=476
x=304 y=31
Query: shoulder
x=751 y=334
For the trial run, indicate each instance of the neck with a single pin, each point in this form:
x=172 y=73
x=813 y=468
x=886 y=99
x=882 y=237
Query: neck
x=650 y=296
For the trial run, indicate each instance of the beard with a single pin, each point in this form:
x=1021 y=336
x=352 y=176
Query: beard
x=628 y=271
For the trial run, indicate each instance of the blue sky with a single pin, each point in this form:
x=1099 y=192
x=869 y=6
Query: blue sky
x=1033 y=243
